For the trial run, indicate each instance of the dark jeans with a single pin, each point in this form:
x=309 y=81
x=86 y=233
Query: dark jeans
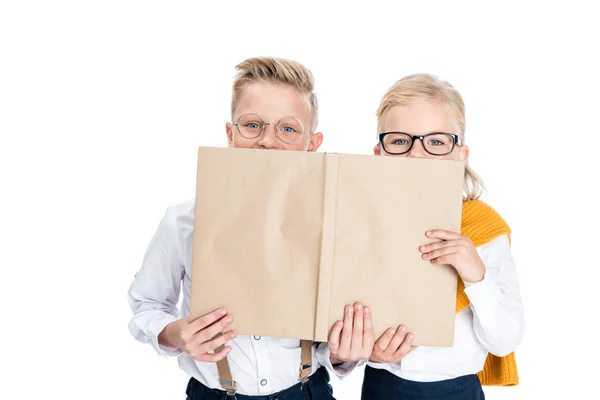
x=380 y=384
x=317 y=388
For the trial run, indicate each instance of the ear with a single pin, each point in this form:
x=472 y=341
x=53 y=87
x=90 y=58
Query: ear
x=229 y=131
x=315 y=141
x=377 y=149
x=464 y=153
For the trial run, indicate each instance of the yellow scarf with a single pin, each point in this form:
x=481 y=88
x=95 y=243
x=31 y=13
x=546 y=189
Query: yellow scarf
x=482 y=224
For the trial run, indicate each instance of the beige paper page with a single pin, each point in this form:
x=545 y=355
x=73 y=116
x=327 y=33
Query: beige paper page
x=258 y=221
x=384 y=206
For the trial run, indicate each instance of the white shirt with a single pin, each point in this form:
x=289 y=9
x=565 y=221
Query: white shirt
x=259 y=365
x=493 y=323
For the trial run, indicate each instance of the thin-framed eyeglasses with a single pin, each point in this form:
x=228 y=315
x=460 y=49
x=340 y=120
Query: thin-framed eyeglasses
x=288 y=129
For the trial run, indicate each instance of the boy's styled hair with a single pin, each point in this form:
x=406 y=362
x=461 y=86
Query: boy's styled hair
x=276 y=71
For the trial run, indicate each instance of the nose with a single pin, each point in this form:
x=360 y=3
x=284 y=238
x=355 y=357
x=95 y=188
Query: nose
x=417 y=151
x=268 y=139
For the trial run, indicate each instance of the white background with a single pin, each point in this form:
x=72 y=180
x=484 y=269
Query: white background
x=103 y=104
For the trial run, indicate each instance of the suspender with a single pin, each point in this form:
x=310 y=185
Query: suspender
x=225 y=378
x=306 y=358
x=229 y=385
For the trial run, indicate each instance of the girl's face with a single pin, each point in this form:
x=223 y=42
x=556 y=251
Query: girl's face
x=421 y=119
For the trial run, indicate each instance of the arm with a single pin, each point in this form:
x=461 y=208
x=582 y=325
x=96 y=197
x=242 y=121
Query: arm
x=154 y=293
x=153 y=298
x=491 y=284
x=496 y=300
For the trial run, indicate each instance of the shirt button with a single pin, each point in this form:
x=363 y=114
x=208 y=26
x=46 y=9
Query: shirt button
x=263 y=382
x=257 y=337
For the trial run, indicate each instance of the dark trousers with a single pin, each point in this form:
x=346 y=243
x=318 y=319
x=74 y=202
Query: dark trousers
x=380 y=384
x=317 y=388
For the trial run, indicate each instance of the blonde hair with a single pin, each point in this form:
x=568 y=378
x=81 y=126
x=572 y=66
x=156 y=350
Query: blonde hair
x=276 y=71
x=423 y=88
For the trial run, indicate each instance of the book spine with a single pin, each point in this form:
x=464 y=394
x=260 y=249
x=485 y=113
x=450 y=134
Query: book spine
x=327 y=247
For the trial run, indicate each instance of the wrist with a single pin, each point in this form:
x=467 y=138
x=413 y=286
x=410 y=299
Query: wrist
x=335 y=360
x=164 y=337
x=476 y=276
x=375 y=359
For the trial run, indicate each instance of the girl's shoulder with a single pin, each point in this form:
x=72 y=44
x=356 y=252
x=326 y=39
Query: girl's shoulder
x=481 y=222
x=478 y=209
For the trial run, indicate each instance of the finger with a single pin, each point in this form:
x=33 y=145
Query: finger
x=442 y=234
x=368 y=330
x=449 y=259
x=347 y=329
x=440 y=252
x=334 y=337
x=412 y=348
x=217 y=356
x=405 y=347
x=357 y=328
x=218 y=341
x=213 y=330
x=385 y=339
x=206 y=320
x=427 y=248
x=396 y=340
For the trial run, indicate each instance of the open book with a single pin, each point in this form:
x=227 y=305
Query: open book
x=284 y=240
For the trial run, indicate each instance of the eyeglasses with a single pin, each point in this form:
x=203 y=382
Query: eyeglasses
x=435 y=143
x=289 y=129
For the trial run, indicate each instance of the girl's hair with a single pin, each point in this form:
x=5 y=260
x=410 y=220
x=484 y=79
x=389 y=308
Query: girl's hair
x=276 y=71
x=424 y=88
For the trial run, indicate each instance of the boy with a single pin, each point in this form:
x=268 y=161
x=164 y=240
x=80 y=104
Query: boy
x=273 y=107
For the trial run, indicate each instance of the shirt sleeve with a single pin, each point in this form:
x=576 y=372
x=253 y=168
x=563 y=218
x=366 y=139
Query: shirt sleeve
x=154 y=293
x=496 y=301
x=341 y=371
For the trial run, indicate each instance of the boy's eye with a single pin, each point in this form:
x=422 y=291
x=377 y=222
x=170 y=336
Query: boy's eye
x=400 y=142
x=253 y=125
x=288 y=129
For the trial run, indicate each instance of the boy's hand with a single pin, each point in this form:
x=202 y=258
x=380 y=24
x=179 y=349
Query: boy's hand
x=457 y=251
x=352 y=340
x=197 y=337
x=393 y=346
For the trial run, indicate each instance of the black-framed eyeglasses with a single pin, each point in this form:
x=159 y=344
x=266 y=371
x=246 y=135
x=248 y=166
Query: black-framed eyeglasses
x=435 y=143
x=288 y=129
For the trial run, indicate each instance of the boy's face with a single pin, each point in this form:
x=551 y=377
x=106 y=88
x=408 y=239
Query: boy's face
x=421 y=119
x=272 y=103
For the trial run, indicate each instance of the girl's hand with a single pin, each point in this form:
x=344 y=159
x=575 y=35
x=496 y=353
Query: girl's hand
x=393 y=346
x=457 y=251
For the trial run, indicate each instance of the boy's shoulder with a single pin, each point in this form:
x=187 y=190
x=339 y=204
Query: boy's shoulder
x=181 y=214
x=183 y=208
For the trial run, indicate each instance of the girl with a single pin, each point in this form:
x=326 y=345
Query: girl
x=422 y=116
